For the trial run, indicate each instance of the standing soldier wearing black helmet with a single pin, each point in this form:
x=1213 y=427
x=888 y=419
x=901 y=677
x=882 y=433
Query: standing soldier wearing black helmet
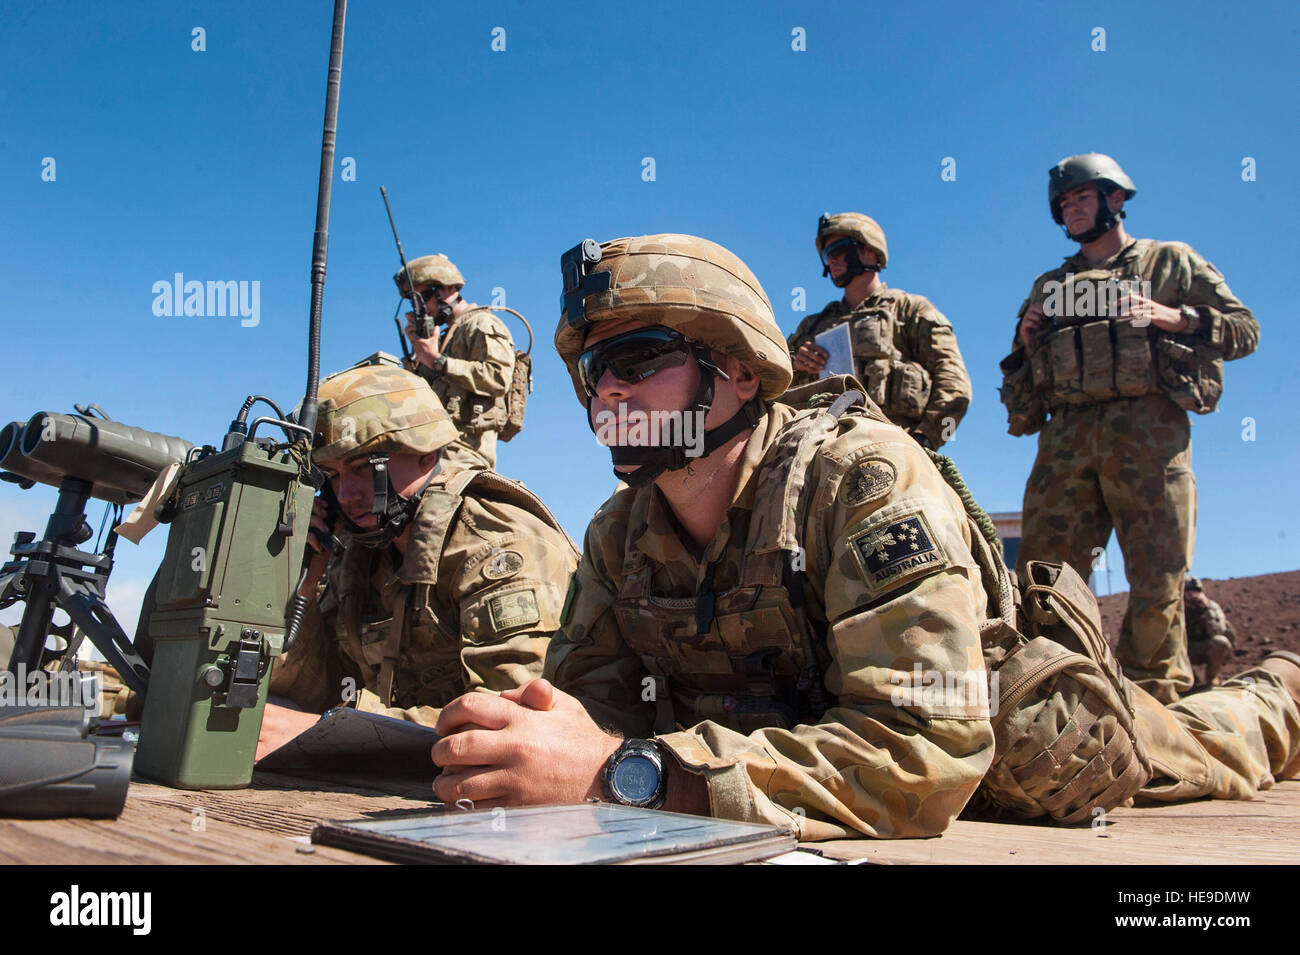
x=904 y=350
x=1116 y=346
x=469 y=366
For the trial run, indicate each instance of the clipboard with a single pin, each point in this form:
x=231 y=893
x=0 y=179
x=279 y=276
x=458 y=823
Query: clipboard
x=838 y=343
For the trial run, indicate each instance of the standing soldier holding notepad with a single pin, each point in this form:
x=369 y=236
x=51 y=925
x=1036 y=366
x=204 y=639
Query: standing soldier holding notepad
x=904 y=350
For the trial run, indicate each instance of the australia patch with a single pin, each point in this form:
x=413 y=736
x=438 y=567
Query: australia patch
x=867 y=480
x=518 y=609
x=503 y=565
x=898 y=552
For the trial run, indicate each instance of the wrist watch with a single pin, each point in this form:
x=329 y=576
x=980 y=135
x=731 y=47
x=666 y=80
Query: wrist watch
x=1191 y=316
x=439 y=365
x=635 y=775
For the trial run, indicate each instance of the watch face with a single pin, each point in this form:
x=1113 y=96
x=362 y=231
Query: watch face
x=635 y=779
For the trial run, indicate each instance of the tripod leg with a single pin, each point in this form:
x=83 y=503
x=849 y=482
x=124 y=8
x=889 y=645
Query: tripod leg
x=87 y=608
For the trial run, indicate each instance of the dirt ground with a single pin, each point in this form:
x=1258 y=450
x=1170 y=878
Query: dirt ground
x=1264 y=610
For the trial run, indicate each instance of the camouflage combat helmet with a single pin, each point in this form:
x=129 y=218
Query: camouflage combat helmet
x=682 y=282
x=856 y=226
x=1075 y=171
x=686 y=286
x=430 y=270
x=378 y=409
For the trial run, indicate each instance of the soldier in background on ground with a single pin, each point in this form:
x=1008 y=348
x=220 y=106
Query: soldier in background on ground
x=904 y=350
x=453 y=576
x=1117 y=345
x=469 y=366
x=1210 y=637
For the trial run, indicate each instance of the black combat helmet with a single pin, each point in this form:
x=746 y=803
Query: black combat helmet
x=1078 y=170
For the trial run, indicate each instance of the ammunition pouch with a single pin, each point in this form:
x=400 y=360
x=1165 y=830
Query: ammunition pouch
x=1026 y=412
x=1092 y=362
x=873 y=336
x=899 y=388
x=909 y=391
x=1190 y=372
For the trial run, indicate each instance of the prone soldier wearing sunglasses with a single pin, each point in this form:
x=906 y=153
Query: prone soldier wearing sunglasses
x=904 y=350
x=451 y=578
x=469 y=366
x=766 y=606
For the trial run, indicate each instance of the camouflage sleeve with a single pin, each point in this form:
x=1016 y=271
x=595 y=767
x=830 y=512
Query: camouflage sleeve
x=311 y=674
x=486 y=361
x=932 y=343
x=1222 y=320
x=510 y=587
x=910 y=738
x=588 y=657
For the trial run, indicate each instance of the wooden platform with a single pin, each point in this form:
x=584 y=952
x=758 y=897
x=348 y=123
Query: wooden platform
x=271 y=822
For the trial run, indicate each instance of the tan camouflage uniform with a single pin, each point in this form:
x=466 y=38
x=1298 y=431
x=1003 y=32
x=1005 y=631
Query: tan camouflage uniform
x=480 y=610
x=479 y=590
x=1227 y=742
x=1125 y=462
x=480 y=361
x=916 y=332
x=883 y=760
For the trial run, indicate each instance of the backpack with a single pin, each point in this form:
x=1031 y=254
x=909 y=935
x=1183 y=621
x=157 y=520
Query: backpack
x=1065 y=742
x=521 y=382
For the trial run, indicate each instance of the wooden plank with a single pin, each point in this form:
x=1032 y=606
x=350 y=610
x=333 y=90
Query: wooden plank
x=1265 y=830
x=269 y=824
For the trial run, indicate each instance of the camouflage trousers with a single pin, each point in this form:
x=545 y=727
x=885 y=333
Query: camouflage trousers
x=1226 y=743
x=484 y=442
x=1126 y=465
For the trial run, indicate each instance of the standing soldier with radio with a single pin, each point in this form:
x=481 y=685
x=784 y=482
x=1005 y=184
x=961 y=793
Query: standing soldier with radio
x=1117 y=345
x=471 y=365
x=904 y=350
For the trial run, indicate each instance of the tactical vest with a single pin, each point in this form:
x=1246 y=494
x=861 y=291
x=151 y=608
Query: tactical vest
x=900 y=388
x=748 y=657
x=1082 y=359
x=411 y=656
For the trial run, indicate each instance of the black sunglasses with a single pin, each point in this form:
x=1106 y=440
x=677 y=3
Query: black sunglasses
x=633 y=356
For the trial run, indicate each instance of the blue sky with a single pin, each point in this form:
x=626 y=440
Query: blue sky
x=168 y=160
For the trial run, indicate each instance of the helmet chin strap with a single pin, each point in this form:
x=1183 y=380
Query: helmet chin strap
x=852 y=269
x=654 y=461
x=1103 y=223
x=392 y=511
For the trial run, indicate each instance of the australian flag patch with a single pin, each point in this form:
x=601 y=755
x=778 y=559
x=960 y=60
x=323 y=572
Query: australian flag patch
x=897 y=552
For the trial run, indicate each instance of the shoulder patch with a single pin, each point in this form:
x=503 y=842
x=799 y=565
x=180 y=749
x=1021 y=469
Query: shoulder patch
x=868 y=480
x=503 y=565
x=898 y=552
x=516 y=609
